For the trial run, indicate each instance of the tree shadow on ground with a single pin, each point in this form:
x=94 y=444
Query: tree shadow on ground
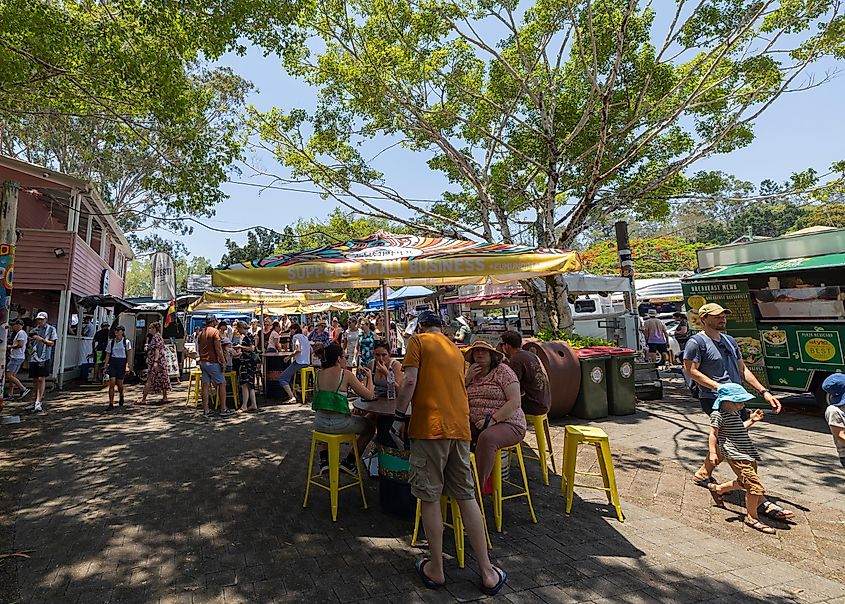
x=160 y=504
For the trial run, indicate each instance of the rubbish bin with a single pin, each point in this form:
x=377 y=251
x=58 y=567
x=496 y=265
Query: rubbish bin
x=621 y=395
x=592 y=397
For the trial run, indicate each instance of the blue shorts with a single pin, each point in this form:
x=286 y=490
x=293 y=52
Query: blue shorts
x=212 y=372
x=287 y=375
x=14 y=365
x=117 y=368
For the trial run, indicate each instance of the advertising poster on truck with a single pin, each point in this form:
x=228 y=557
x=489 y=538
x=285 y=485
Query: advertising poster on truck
x=794 y=351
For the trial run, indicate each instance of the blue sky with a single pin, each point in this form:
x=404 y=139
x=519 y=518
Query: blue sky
x=801 y=130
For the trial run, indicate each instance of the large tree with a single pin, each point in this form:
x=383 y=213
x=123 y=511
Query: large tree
x=118 y=92
x=544 y=117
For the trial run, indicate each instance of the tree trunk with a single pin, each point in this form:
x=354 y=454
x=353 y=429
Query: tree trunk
x=549 y=298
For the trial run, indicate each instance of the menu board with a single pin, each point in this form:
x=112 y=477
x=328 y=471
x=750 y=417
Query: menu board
x=742 y=324
x=794 y=351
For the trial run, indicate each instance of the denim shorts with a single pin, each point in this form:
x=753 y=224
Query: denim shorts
x=287 y=374
x=339 y=424
x=212 y=372
x=14 y=365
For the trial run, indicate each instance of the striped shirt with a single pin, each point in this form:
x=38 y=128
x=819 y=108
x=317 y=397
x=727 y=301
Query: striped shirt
x=733 y=436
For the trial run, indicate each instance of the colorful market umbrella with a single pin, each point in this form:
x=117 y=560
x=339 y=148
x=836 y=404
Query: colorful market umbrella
x=397 y=260
x=249 y=299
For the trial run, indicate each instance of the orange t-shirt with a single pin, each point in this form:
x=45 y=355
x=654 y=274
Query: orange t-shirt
x=440 y=406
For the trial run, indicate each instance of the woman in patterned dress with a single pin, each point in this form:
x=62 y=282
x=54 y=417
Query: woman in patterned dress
x=247 y=368
x=158 y=376
x=366 y=342
x=495 y=405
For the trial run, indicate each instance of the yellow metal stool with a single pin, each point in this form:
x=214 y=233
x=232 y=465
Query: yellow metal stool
x=333 y=441
x=498 y=485
x=194 y=387
x=596 y=437
x=232 y=376
x=306 y=374
x=447 y=504
x=545 y=451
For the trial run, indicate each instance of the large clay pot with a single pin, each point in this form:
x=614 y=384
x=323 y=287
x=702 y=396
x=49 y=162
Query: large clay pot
x=564 y=371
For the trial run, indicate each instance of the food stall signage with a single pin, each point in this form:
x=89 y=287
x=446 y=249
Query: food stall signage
x=733 y=295
x=820 y=347
x=794 y=352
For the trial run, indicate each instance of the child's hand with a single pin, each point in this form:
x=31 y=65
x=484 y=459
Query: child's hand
x=756 y=415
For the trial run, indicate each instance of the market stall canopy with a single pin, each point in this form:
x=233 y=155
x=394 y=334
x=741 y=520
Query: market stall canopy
x=398 y=260
x=773 y=266
x=250 y=299
x=376 y=296
x=396 y=299
x=586 y=283
x=106 y=301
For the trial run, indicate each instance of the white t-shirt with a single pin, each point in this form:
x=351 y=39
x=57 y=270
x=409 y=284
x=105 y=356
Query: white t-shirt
x=304 y=356
x=835 y=416
x=351 y=337
x=119 y=350
x=19 y=353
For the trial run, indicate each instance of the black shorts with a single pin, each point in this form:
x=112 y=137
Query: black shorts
x=117 y=368
x=661 y=348
x=39 y=370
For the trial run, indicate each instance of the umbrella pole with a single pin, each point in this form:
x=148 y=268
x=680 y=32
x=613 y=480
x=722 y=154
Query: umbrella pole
x=386 y=313
x=263 y=358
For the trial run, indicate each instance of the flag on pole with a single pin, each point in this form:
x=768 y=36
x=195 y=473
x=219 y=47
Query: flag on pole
x=171 y=313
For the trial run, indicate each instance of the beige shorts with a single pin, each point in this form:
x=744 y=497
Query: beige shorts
x=746 y=476
x=440 y=467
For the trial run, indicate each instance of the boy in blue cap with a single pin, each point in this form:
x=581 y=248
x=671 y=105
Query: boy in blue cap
x=729 y=436
x=834 y=415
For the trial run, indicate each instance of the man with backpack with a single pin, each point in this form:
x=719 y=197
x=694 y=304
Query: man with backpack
x=712 y=358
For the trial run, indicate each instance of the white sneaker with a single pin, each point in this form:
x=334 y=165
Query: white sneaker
x=37 y=408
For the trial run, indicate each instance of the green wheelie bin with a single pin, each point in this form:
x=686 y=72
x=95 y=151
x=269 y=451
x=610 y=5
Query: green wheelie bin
x=592 y=398
x=621 y=395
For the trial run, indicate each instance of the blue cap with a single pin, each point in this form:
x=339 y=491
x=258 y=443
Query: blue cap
x=731 y=393
x=428 y=318
x=834 y=385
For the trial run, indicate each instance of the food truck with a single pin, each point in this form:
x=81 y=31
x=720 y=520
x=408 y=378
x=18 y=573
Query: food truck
x=787 y=302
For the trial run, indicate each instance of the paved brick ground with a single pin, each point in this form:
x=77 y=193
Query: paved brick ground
x=160 y=505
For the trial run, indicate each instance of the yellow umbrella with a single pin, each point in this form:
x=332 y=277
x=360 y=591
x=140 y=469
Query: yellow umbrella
x=389 y=259
x=250 y=299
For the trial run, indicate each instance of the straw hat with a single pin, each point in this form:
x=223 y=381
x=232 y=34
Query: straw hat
x=481 y=345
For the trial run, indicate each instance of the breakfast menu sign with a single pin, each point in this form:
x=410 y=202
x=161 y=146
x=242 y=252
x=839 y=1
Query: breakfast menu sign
x=733 y=295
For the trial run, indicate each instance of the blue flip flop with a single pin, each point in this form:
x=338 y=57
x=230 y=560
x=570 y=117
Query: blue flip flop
x=492 y=591
x=429 y=583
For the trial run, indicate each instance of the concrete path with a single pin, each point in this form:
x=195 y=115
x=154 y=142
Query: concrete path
x=161 y=505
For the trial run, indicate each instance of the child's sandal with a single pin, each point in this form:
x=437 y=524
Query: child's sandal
x=759 y=526
x=718 y=499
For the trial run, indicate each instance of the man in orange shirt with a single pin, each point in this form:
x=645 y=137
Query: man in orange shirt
x=440 y=438
x=212 y=362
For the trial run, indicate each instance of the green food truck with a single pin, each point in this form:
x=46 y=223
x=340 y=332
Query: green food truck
x=787 y=302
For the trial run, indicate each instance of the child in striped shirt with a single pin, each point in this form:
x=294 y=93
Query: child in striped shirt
x=729 y=439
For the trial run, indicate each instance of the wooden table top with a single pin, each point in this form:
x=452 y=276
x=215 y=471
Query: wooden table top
x=379 y=406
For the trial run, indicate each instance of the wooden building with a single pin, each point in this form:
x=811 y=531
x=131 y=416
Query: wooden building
x=68 y=246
